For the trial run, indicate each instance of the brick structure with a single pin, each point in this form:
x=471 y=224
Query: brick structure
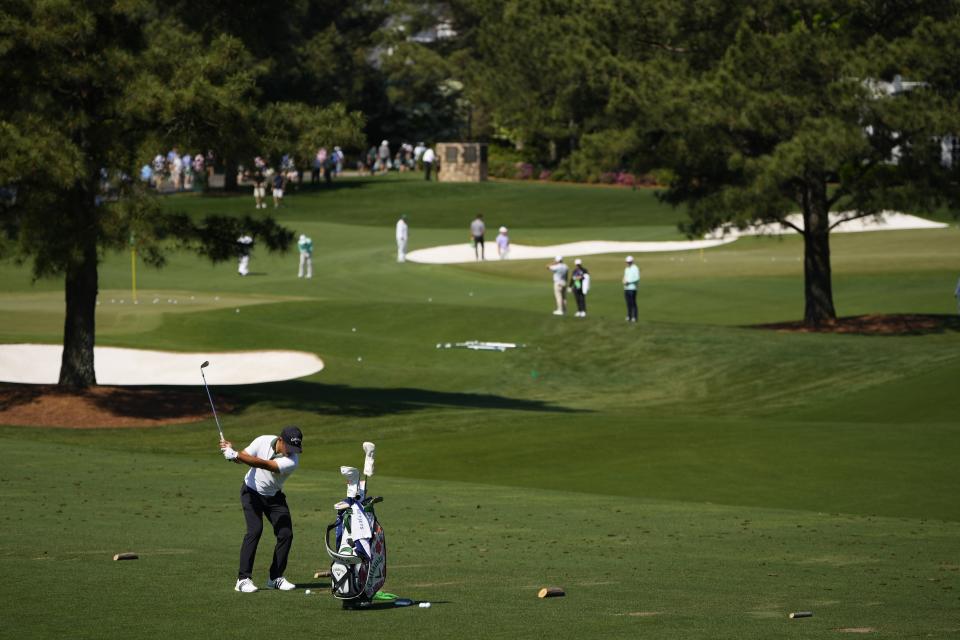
x=462 y=161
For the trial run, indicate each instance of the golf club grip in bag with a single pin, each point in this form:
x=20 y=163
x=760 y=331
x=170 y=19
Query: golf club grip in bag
x=357 y=571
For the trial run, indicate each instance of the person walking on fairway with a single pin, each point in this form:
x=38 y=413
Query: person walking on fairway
x=631 y=278
x=477 y=229
x=402 y=238
x=580 y=285
x=503 y=244
x=271 y=460
x=259 y=190
x=244 y=245
x=305 y=245
x=560 y=271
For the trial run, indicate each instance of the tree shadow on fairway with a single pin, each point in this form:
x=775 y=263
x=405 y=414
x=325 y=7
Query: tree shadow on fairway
x=367 y=402
x=897 y=324
x=102 y=406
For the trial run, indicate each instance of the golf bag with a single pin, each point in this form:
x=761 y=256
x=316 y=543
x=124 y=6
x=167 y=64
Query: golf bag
x=358 y=567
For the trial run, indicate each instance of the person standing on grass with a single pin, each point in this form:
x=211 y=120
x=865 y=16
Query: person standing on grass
x=271 y=460
x=244 y=245
x=259 y=190
x=560 y=271
x=503 y=244
x=402 y=238
x=428 y=159
x=278 y=181
x=631 y=278
x=477 y=229
x=305 y=245
x=580 y=285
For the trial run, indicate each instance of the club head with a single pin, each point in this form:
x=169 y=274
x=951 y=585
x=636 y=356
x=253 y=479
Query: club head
x=206 y=363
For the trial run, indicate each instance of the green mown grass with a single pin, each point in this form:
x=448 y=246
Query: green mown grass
x=689 y=476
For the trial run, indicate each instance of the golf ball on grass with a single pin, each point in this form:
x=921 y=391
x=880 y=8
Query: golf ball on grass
x=307 y=592
x=359 y=359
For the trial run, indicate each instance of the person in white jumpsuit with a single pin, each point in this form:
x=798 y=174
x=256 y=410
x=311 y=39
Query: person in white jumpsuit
x=244 y=244
x=402 y=238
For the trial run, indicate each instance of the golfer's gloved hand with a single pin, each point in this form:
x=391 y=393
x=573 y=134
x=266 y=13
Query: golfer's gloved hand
x=230 y=454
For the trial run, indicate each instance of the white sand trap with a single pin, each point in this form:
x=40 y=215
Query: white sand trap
x=40 y=364
x=463 y=253
x=457 y=253
x=887 y=221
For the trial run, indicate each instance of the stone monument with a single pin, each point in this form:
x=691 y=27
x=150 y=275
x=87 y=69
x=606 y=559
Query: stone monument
x=462 y=161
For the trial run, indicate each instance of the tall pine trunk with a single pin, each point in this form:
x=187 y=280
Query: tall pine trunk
x=817 y=275
x=77 y=367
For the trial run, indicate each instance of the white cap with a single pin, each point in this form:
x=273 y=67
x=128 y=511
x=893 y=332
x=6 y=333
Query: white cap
x=503 y=229
x=578 y=261
x=558 y=259
x=303 y=236
x=629 y=258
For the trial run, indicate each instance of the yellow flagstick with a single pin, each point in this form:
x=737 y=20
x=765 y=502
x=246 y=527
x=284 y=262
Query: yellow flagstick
x=133 y=267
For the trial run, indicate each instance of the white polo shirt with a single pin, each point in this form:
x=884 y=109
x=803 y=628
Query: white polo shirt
x=268 y=483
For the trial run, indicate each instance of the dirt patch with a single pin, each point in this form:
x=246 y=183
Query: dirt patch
x=900 y=324
x=102 y=407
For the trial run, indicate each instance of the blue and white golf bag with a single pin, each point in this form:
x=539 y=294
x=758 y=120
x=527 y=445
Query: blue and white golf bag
x=358 y=567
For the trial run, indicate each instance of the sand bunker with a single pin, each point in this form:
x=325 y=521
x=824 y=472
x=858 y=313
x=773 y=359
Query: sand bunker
x=40 y=364
x=456 y=253
x=886 y=221
x=462 y=253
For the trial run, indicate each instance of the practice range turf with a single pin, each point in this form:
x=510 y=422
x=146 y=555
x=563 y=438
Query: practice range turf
x=685 y=477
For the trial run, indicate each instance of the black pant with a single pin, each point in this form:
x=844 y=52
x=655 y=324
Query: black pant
x=479 y=247
x=427 y=168
x=276 y=509
x=631 y=297
x=581 y=298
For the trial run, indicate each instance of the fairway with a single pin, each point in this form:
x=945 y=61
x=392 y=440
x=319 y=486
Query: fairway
x=689 y=476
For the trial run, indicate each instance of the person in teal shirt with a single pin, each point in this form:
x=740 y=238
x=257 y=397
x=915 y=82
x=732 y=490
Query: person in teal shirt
x=631 y=278
x=305 y=245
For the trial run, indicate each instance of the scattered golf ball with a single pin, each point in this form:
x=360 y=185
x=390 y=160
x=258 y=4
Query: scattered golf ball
x=471 y=294
x=354 y=329
x=238 y=310
x=429 y=299
x=307 y=592
x=359 y=359
x=424 y=605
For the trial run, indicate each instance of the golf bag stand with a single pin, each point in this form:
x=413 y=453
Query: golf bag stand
x=358 y=563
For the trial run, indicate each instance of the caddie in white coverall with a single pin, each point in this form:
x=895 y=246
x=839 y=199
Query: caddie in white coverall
x=402 y=238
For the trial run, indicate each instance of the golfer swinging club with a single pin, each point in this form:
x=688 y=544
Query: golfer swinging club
x=271 y=460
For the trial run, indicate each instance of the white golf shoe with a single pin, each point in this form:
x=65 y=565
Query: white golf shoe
x=245 y=585
x=281 y=584
x=352 y=475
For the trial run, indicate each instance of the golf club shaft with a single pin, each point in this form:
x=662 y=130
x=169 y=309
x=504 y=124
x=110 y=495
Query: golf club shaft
x=210 y=397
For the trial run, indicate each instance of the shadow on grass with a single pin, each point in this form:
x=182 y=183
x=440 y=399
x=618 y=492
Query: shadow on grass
x=50 y=405
x=898 y=324
x=367 y=402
